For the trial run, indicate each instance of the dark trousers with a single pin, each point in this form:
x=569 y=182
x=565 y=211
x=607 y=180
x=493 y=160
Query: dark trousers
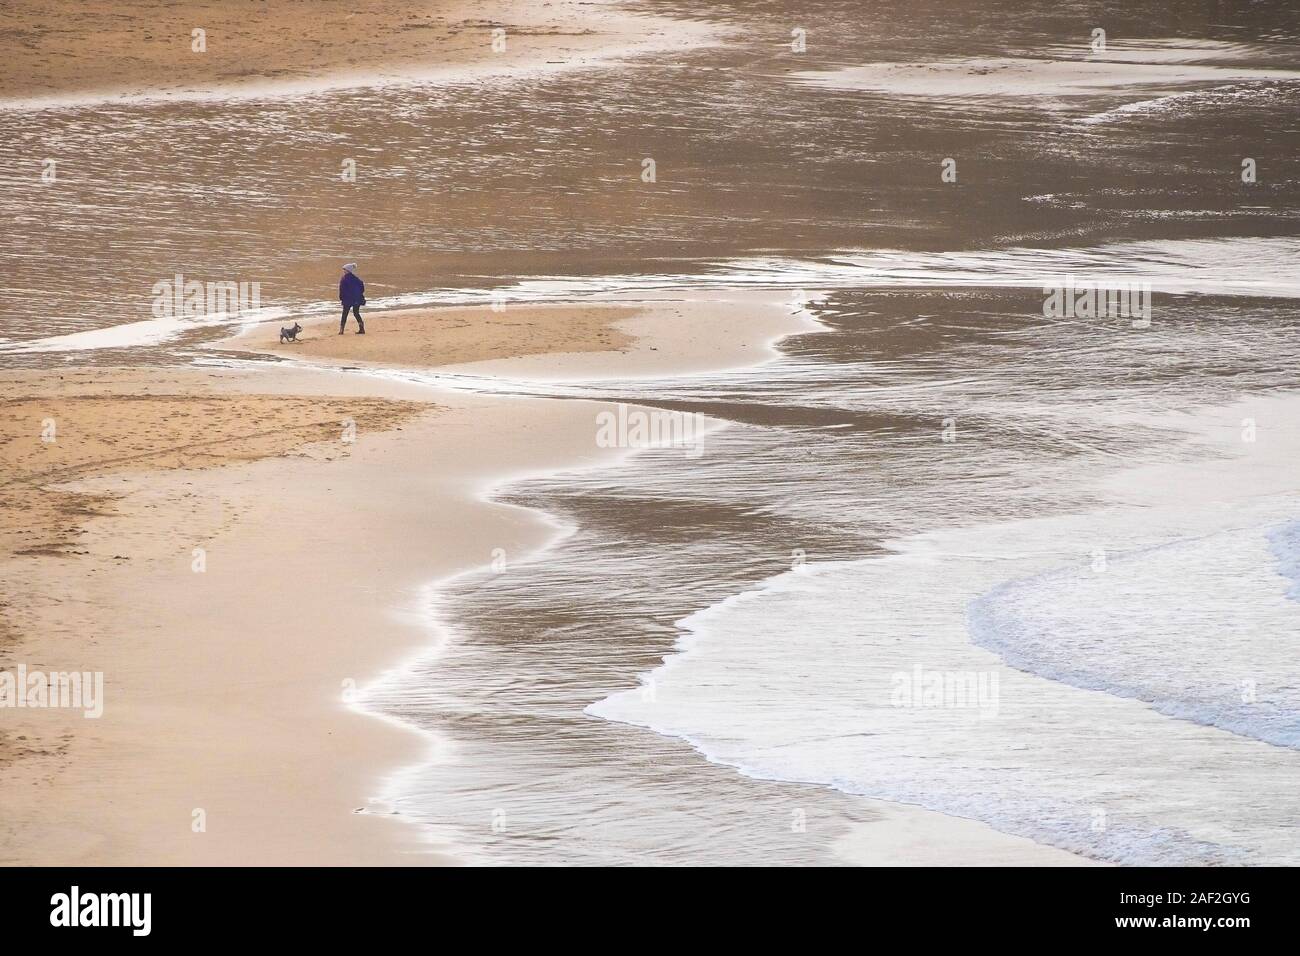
x=356 y=310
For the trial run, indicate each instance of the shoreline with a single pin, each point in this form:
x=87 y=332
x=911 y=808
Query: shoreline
x=87 y=766
x=295 y=668
x=478 y=443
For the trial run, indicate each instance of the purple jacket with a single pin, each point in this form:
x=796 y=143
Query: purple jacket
x=352 y=291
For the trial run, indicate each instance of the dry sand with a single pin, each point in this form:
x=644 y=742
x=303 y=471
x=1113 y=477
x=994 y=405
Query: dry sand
x=73 y=428
x=60 y=51
x=434 y=337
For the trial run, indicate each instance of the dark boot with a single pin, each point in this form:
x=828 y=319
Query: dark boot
x=341 y=324
x=362 y=329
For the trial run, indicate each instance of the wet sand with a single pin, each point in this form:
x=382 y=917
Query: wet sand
x=65 y=52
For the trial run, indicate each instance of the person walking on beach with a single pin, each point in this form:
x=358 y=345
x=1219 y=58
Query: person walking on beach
x=352 y=293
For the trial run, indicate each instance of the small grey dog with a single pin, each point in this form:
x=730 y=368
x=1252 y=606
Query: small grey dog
x=290 y=335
